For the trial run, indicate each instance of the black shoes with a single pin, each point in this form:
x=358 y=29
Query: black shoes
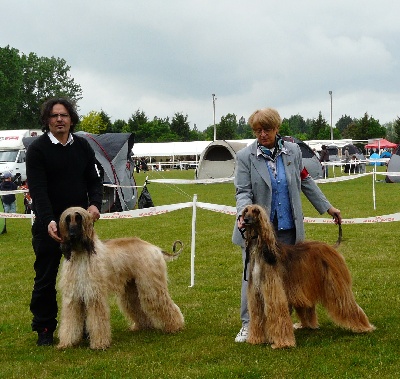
x=45 y=338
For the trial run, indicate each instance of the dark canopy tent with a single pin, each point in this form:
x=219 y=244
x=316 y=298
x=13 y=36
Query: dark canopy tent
x=394 y=166
x=310 y=160
x=3 y=228
x=113 y=154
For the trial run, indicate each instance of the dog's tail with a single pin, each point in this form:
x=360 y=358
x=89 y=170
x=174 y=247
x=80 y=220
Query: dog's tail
x=175 y=254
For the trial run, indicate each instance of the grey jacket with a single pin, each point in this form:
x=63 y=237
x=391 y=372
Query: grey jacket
x=253 y=186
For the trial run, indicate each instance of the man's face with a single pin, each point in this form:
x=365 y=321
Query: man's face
x=59 y=120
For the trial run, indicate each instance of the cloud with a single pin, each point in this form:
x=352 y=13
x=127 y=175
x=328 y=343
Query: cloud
x=167 y=57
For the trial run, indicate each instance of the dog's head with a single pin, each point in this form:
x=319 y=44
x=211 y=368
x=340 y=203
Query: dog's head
x=254 y=216
x=76 y=231
x=258 y=227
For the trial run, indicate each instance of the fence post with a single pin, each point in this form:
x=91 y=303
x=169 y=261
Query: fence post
x=193 y=246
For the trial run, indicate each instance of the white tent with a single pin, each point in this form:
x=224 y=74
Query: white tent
x=218 y=160
x=169 y=149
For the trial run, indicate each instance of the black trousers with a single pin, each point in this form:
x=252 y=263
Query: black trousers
x=44 y=295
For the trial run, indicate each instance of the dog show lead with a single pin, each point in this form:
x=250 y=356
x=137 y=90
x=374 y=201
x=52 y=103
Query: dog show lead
x=270 y=172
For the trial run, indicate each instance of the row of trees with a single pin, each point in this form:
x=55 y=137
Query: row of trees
x=231 y=127
x=26 y=81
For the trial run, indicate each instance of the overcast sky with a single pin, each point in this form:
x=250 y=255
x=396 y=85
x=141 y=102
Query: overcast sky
x=168 y=56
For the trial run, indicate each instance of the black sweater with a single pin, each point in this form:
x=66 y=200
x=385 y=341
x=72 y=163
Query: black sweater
x=8 y=186
x=61 y=176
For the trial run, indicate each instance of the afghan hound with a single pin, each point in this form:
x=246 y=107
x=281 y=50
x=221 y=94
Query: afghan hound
x=133 y=269
x=283 y=277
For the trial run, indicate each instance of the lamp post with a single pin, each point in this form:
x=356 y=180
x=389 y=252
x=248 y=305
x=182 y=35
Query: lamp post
x=215 y=129
x=330 y=93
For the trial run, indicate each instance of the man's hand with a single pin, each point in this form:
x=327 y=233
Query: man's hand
x=94 y=212
x=53 y=231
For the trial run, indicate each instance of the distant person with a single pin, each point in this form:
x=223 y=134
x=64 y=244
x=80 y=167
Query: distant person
x=61 y=171
x=27 y=199
x=143 y=165
x=9 y=201
x=354 y=165
x=346 y=160
x=323 y=158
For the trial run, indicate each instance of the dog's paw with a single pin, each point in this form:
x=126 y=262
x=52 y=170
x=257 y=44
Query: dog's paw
x=256 y=341
x=63 y=346
x=283 y=345
x=299 y=325
x=99 y=346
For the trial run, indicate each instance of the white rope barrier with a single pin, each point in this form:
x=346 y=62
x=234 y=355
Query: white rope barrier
x=225 y=209
x=15 y=192
x=193 y=181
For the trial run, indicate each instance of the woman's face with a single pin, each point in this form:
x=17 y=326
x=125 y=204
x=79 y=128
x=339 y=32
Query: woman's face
x=265 y=136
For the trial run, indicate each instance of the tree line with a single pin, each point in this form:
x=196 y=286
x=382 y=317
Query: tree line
x=26 y=81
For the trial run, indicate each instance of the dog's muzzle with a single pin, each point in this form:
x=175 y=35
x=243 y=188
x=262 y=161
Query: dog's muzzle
x=74 y=232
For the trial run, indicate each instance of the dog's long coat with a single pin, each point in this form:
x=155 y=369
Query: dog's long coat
x=282 y=277
x=133 y=269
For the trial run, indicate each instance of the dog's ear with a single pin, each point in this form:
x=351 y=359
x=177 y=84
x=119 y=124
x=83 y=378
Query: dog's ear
x=268 y=255
x=66 y=250
x=63 y=227
x=88 y=232
x=88 y=244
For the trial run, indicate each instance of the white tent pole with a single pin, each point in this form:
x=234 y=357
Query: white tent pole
x=193 y=247
x=373 y=186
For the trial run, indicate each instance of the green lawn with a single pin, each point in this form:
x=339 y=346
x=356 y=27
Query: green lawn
x=206 y=348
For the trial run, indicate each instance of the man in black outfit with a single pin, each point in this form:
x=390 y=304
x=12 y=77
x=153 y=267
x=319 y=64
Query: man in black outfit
x=61 y=173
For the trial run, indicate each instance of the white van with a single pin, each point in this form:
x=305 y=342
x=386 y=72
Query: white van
x=12 y=152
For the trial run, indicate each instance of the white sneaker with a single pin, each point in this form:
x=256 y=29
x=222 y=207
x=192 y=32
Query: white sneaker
x=242 y=335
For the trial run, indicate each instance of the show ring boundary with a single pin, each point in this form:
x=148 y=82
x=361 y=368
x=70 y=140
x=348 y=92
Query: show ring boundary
x=162 y=209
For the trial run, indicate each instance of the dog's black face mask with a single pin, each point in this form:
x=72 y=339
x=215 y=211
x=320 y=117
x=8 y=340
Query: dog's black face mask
x=76 y=239
x=74 y=229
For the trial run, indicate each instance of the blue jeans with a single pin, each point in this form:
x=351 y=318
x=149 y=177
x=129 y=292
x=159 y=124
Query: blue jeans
x=10 y=208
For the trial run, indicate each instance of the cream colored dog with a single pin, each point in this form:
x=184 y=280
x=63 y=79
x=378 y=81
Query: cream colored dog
x=133 y=269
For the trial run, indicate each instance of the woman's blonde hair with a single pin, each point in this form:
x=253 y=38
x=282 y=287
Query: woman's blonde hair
x=267 y=118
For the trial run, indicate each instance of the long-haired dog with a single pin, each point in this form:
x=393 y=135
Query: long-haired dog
x=282 y=277
x=131 y=268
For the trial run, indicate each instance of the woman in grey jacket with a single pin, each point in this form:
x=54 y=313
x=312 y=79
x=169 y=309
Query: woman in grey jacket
x=270 y=172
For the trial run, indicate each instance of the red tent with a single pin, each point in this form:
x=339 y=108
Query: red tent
x=381 y=144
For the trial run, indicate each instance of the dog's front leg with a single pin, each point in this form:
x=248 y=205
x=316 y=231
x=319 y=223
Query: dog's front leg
x=257 y=317
x=98 y=323
x=72 y=321
x=279 y=323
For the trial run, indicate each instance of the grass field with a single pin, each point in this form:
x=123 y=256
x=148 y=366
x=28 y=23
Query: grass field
x=206 y=348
